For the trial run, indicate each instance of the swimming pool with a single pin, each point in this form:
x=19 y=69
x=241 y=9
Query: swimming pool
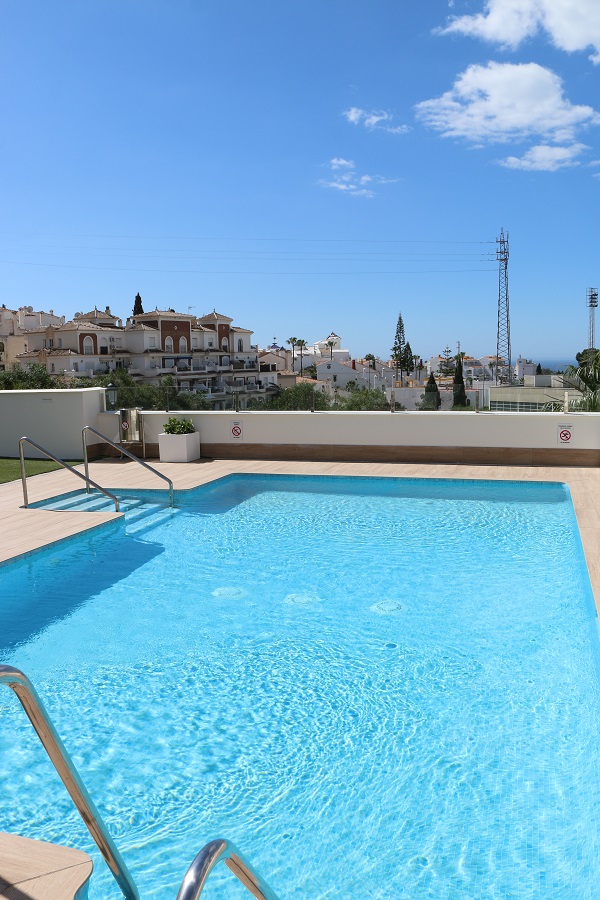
x=375 y=687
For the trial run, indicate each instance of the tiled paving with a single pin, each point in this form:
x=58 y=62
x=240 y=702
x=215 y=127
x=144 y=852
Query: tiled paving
x=24 y=530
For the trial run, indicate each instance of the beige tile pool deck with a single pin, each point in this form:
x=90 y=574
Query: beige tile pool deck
x=24 y=530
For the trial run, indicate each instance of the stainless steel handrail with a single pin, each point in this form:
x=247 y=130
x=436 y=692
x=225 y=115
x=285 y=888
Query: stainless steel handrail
x=37 y=715
x=126 y=452
x=61 y=462
x=206 y=860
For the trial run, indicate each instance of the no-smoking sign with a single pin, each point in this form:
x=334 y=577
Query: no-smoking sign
x=237 y=433
x=565 y=434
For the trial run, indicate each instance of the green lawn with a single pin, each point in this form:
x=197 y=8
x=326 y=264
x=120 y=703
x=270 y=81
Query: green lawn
x=10 y=469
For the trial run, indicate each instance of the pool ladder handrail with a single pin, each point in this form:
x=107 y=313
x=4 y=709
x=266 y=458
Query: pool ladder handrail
x=61 y=462
x=121 y=449
x=62 y=762
x=202 y=865
x=206 y=860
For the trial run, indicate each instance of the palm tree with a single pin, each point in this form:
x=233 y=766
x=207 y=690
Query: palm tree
x=331 y=345
x=301 y=344
x=292 y=341
x=586 y=378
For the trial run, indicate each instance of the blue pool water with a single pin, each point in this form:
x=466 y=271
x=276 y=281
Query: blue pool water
x=377 y=688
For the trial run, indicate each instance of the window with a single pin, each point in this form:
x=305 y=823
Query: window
x=240 y=345
x=210 y=343
x=152 y=342
x=50 y=343
x=195 y=342
x=225 y=344
x=52 y=367
x=103 y=347
x=169 y=345
x=60 y=342
x=183 y=345
x=88 y=346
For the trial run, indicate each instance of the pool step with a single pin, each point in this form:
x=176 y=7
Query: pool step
x=145 y=519
x=93 y=502
x=37 y=870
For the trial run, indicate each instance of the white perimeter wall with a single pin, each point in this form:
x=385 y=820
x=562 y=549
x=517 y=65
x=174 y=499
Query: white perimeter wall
x=406 y=429
x=53 y=419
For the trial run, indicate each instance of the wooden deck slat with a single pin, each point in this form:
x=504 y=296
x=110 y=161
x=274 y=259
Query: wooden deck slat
x=37 y=870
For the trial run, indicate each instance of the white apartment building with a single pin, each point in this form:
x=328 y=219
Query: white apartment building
x=207 y=355
x=15 y=325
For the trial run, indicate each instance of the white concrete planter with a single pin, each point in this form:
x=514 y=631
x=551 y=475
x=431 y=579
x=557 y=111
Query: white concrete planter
x=179 y=447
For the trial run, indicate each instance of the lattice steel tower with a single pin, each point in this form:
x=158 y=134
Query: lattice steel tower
x=592 y=302
x=503 y=338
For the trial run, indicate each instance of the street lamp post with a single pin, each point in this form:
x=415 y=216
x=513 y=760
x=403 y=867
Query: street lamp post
x=111 y=394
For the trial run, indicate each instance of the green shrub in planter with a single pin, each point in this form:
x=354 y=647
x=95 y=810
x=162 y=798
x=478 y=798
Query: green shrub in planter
x=179 y=426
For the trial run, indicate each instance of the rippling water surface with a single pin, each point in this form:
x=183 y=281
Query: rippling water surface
x=377 y=688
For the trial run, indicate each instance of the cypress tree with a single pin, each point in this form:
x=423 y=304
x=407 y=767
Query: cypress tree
x=458 y=385
x=432 y=399
x=399 y=347
x=408 y=361
x=138 y=309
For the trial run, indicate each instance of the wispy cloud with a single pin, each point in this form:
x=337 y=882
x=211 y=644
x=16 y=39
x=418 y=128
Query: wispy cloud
x=375 y=119
x=346 y=179
x=339 y=163
x=546 y=158
x=504 y=102
x=570 y=24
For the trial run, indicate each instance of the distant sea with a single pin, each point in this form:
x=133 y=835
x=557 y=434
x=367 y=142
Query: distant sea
x=557 y=365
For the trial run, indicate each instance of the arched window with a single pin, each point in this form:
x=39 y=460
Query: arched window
x=240 y=345
x=225 y=345
x=168 y=344
x=88 y=345
x=183 y=345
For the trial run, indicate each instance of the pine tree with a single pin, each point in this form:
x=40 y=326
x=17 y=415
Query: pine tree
x=431 y=397
x=408 y=359
x=447 y=362
x=538 y=369
x=138 y=309
x=399 y=347
x=458 y=386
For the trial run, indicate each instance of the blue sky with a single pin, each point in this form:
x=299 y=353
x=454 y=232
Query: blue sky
x=306 y=166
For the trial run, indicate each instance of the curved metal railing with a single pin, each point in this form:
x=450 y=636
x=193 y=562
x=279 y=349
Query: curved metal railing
x=61 y=462
x=206 y=860
x=126 y=453
x=62 y=762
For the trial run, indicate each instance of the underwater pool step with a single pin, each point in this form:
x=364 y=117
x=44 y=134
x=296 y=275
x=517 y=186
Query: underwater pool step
x=139 y=523
x=39 y=870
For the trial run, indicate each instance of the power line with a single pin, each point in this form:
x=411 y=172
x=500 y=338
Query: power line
x=254 y=239
x=13 y=262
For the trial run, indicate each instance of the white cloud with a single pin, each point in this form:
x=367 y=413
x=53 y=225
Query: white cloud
x=339 y=163
x=346 y=179
x=571 y=24
x=546 y=158
x=375 y=119
x=502 y=101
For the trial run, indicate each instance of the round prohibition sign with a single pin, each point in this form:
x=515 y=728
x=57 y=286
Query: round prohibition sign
x=125 y=426
x=236 y=430
x=565 y=436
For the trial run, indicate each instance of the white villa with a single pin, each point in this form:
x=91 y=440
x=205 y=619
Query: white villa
x=207 y=355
